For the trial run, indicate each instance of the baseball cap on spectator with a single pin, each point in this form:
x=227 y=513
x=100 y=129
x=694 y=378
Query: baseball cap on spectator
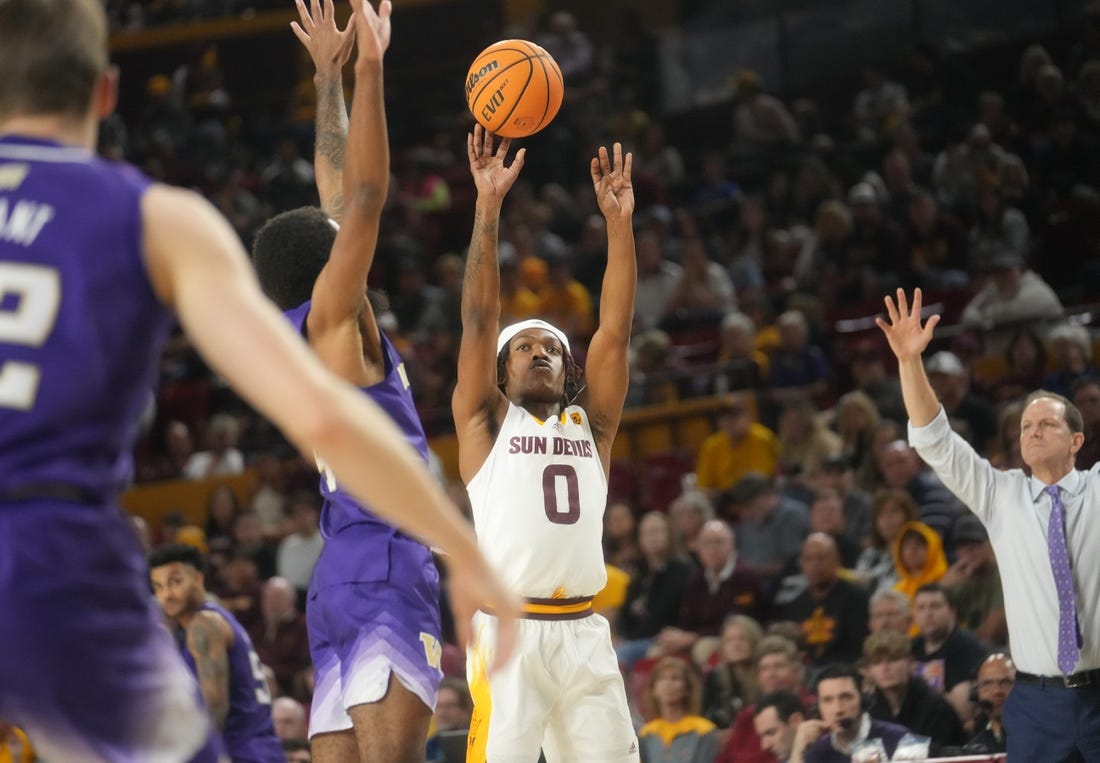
x=944 y=362
x=969 y=529
x=862 y=193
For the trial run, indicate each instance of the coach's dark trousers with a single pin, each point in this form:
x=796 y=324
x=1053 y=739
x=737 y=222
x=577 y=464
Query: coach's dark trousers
x=1050 y=723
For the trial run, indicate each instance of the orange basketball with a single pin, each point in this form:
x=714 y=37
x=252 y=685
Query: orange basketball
x=514 y=88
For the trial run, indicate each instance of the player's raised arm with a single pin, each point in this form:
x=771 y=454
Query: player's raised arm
x=477 y=400
x=342 y=327
x=208 y=640
x=197 y=265
x=607 y=369
x=908 y=339
x=330 y=48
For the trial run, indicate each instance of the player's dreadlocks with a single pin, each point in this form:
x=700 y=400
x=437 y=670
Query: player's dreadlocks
x=574 y=375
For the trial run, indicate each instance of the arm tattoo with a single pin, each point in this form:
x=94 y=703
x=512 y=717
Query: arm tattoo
x=474 y=258
x=331 y=141
x=208 y=648
x=332 y=122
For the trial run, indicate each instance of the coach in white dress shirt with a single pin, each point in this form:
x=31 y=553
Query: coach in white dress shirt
x=1045 y=531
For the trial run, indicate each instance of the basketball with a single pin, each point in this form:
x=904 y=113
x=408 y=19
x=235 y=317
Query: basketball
x=514 y=88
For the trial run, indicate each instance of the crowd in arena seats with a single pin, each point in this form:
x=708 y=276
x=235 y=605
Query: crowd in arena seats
x=811 y=533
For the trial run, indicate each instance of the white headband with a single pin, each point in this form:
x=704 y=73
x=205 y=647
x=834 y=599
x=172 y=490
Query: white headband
x=508 y=332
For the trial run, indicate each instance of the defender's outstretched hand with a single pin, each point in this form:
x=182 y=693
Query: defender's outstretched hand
x=491 y=177
x=329 y=46
x=611 y=178
x=904 y=332
x=372 y=28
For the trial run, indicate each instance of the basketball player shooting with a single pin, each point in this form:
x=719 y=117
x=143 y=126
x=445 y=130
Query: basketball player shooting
x=89 y=281
x=535 y=464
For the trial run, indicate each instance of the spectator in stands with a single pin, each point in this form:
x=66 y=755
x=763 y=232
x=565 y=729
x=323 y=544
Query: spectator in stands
x=875 y=245
x=778 y=668
x=1071 y=348
x=564 y=301
x=827 y=516
x=299 y=550
x=1025 y=366
x=946 y=654
x=805 y=442
x=654 y=592
x=289 y=716
x=570 y=46
x=731 y=683
x=1086 y=396
x=687 y=515
x=903 y=698
x=832 y=611
x=838 y=474
x=268 y=501
x=770 y=526
x=740 y=446
x=778 y=716
x=222 y=508
x=703 y=291
x=716 y=195
x=902 y=469
x=655 y=378
x=677 y=732
x=1013 y=296
x=281 y=641
x=222 y=459
x=517 y=301
x=740 y=365
x=239 y=589
x=918 y=557
x=879 y=106
x=760 y=120
x=936 y=248
x=891 y=510
x=724 y=585
x=973 y=583
x=178 y=449
x=658 y=278
x=868 y=375
x=844 y=723
x=796 y=363
x=287 y=180
x=248 y=537
x=995 y=679
x=890 y=611
x=620 y=536
x=856 y=419
x=997 y=223
x=970 y=415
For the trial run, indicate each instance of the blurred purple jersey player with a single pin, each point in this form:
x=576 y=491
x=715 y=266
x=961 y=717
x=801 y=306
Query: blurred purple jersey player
x=373 y=605
x=219 y=653
x=92 y=259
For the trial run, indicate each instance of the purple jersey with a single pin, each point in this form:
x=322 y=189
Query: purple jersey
x=81 y=330
x=357 y=543
x=249 y=734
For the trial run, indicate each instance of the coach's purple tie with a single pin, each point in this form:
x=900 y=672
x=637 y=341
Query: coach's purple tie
x=1068 y=647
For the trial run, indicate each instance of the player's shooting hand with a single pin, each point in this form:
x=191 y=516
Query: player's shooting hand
x=611 y=178
x=329 y=46
x=491 y=177
x=904 y=332
x=474 y=586
x=372 y=28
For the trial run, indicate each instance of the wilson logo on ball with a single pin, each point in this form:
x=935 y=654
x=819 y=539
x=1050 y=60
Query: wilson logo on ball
x=475 y=77
x=514 y=88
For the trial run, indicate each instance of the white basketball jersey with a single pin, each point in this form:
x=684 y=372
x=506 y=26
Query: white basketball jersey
x=538 y=504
